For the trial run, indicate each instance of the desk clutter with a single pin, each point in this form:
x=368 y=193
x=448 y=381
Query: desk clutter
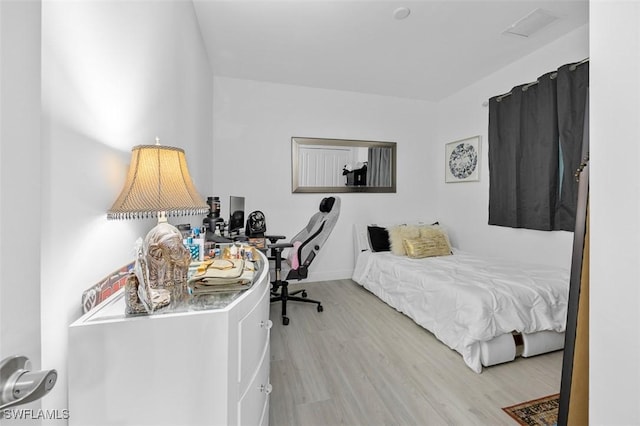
x=233 y=270
x=168 y=278
x=172 y=264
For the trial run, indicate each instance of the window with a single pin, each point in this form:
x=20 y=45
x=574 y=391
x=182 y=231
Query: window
x=535 y=146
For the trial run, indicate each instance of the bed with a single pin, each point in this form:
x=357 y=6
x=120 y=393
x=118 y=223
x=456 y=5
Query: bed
x=488 y=310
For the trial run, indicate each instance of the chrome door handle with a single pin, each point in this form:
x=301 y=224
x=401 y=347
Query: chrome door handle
x=18 y=385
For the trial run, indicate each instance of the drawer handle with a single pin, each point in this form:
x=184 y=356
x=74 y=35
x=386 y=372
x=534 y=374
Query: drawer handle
x=266 y=324
x=266 y=388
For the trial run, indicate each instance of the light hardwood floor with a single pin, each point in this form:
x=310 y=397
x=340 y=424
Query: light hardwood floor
x=360 y=362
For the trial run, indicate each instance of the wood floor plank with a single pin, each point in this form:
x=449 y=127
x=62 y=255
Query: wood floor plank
x=361 y=362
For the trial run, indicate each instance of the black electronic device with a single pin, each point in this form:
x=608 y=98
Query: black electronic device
x=214 y=206
x=236 y=214
x=213 y=223
x=256 y=225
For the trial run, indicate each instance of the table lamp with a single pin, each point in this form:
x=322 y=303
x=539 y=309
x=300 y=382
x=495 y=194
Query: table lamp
x=158 y=185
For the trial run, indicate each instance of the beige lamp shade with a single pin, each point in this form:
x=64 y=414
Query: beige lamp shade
x=158 y=183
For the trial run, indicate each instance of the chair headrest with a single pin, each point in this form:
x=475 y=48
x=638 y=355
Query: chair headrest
x=327 y=204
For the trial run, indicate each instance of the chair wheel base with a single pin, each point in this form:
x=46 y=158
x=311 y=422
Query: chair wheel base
x=285 y=320
x=320 y=308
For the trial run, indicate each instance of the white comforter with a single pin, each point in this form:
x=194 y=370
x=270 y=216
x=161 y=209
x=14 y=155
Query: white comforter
x=465 y=299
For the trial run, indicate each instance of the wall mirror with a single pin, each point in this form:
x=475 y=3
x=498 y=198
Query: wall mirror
x=341 y=165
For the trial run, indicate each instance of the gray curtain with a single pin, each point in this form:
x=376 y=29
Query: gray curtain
x=379 y=167
x=529 y=183
x=573 y=85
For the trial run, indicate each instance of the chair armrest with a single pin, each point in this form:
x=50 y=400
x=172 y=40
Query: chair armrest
x=274 y=238
x=279 y=246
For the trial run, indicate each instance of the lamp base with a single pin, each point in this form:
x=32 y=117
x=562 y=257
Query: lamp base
x=161 y=268
x=143 y=301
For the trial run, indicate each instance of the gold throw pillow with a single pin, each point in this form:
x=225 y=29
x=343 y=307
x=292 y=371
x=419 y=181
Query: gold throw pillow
x=427 y=246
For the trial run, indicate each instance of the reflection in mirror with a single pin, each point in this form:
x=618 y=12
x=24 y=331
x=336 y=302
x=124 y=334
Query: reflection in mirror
x=340 y=165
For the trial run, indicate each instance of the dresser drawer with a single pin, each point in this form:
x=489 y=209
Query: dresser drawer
x=252 y=408
x=253 y=337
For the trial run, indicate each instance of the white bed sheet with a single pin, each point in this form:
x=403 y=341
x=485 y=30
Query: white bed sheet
x=464 y=299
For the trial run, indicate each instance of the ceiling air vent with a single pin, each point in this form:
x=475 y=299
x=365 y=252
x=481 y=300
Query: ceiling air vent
x=531 y=23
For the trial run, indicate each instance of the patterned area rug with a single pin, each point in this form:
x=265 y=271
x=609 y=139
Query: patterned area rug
x=542 y=411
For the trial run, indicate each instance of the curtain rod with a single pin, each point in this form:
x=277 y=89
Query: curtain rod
x=533 y=83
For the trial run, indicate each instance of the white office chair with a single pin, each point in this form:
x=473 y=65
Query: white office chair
x=303 y=248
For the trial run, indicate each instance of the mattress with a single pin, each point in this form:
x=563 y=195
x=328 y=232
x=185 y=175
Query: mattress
x=467 y=300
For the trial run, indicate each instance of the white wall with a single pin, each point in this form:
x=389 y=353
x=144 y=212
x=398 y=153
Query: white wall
x=253 y=126
x=254 y=122
x=464 y=207
x=614 y=332
x=114 y=75
x=20 y=196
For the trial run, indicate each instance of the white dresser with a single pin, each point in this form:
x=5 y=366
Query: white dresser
x=207 y=364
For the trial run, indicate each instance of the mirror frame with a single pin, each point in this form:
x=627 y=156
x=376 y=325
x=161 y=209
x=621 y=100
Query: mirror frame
x=297 y=142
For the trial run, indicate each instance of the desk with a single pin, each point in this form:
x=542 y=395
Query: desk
x=206 y=365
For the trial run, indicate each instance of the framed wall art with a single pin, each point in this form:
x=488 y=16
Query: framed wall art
x=462 y=160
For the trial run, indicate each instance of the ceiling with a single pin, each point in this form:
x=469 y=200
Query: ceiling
x=357 y=45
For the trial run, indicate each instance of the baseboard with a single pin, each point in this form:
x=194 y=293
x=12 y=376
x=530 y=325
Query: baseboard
x=327 y=276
